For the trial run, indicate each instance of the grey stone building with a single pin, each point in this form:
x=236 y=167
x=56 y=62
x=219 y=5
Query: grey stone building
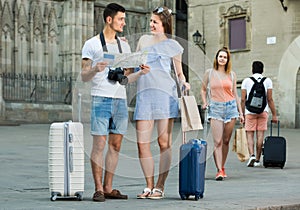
x=45 y=37
x=267 y=30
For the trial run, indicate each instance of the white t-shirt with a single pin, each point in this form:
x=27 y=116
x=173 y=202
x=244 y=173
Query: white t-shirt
x=101 y=85
x=248 y=83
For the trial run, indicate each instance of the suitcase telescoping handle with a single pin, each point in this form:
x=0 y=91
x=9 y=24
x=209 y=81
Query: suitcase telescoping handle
x=79 y=107
x=183 y=92
x=205 y=124
x=278 y=125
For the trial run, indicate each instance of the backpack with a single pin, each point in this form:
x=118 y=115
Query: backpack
x=257 y=99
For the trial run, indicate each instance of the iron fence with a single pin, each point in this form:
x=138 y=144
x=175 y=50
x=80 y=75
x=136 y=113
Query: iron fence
x=37 y=88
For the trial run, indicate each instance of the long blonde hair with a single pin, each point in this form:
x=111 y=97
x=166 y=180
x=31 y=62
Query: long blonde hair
x=228 y=64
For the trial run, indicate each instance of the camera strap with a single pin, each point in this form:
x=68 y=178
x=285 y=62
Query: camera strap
x=104 y=43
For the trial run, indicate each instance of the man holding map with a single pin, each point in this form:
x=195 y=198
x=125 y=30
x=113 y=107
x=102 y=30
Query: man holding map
x=109 y=96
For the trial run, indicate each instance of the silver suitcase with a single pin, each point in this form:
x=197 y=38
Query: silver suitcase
x=66 y=160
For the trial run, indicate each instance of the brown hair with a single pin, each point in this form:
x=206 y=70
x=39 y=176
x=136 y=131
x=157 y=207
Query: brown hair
x=165 y=15
x=228 y=64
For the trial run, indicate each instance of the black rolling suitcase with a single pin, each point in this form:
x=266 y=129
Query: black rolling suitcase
x=274 y=150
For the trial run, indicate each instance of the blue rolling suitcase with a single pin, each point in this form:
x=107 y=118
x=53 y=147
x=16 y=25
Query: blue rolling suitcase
x=192 y=167
x=274 y=150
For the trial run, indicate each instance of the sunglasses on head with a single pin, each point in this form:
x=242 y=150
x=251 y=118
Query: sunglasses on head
x=159 y=10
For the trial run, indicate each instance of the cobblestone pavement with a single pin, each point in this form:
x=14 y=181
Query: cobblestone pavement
x=24 y=176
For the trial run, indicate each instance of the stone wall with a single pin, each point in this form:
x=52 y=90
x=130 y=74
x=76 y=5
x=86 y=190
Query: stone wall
x=37 y=113
x=266 y=19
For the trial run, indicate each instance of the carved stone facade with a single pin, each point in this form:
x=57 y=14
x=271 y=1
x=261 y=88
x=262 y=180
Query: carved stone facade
x=235 y=11
x=32 y=36
x=45 y=37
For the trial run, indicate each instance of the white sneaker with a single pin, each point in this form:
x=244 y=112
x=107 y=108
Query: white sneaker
x=256 y=164
x=251 y=161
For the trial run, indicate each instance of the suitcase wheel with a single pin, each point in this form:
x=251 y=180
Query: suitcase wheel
x=184 y=196
x=53 y=197
x=198 y=196
x=79 y=196
x=267 y=165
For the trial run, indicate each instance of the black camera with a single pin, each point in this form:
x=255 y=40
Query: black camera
x=117 y=75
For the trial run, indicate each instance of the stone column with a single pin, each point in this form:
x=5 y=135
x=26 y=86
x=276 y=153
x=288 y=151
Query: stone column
x=2 y=102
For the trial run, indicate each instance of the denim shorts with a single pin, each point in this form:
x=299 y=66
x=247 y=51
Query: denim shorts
x=108 y=115
x=223 y=111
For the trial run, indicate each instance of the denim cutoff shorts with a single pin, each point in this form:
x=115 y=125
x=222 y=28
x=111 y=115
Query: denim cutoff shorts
x=108 y=115
x=223 y=111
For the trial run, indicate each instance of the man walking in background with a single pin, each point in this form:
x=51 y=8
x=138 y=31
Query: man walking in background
x=256 y=120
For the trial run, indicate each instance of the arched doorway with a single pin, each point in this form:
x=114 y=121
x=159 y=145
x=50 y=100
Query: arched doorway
x=289 y=85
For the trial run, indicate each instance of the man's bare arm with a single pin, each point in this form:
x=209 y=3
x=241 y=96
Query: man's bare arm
x=88 y=72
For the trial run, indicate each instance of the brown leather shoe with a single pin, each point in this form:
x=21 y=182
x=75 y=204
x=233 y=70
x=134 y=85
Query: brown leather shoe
x=115 y=194
x=99 y=196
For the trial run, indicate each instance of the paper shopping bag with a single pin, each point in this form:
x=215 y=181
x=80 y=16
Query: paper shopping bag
x=190 y=117
x=240 y=144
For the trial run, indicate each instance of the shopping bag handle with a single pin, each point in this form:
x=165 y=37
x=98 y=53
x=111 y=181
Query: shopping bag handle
x=184 y=92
